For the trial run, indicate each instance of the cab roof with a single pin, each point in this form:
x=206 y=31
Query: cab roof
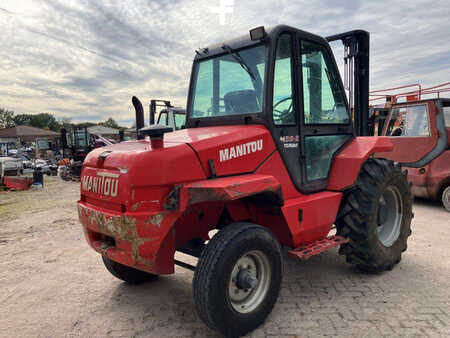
x=245 y=41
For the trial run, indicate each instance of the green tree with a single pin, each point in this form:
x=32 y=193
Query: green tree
x=110 y=123
x=23 y=119
x=6 y=118
x=42 y=120
x=45 y=121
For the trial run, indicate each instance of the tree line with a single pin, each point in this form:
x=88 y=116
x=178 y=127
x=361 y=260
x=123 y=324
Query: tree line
x=47 y=121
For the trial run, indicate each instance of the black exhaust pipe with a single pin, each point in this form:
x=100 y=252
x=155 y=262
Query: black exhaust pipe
x=139 y=116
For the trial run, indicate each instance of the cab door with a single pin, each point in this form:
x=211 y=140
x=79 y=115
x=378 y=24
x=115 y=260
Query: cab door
x=325 y=123
x=286 y=110
x=414 y=132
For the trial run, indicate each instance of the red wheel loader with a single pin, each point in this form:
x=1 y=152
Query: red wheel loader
x=271 y=156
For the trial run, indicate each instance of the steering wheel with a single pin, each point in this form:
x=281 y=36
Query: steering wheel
x=284 y=116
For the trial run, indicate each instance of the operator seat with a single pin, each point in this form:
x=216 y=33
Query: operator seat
x=241 y=102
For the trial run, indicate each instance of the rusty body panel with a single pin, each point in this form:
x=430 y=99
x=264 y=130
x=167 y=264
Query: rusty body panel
x=228 y=189
x=132 y=239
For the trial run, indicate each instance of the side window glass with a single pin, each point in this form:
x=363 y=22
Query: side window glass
x=203 y=90
x=323 y=98
x=180 y=121
x=283 y=108
x=319 y=153
x=409 y=121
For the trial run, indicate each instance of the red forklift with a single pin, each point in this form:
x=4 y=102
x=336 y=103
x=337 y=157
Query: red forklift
x=417 y=119
x=272 y=155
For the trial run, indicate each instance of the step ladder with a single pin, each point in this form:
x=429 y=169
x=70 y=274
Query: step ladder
x=306 y=251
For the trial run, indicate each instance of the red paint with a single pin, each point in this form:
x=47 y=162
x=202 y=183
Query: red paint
x=318 y=214
x=346 y=165
x=274 y=166
x=208 y=142
x=17 y=183
x=156 y=142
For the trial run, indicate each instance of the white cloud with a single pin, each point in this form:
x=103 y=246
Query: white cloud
x=85 y=59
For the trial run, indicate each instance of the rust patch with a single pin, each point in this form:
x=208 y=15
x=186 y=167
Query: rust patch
x=197 y=195
x=231 y=192
x=119 y=227
x=156 y=219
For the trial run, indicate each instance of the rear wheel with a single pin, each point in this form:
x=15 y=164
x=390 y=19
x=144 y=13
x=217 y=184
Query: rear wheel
x=376 y=216
x=238 y=278
x=125 y=273
x=446 y=198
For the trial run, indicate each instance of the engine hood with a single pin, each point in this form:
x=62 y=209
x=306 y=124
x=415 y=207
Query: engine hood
x=231 y=149
x=126 y=172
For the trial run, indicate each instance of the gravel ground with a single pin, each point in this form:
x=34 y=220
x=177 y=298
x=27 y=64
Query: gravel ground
x=53 y=284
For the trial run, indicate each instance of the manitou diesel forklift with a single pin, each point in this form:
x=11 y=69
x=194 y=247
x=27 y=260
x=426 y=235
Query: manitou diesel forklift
x=271 y=156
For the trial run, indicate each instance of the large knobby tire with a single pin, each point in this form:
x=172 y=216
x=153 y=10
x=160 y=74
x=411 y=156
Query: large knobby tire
x=238 y=279
x=127 y=274
x=376 y=216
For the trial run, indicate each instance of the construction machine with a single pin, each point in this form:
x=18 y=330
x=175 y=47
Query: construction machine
x=75 y=146
x=161 y=112
x=422 y=123
x=272 y=155
x=169 y=115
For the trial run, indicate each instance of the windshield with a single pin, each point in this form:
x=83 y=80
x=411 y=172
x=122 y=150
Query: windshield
x=230 y=84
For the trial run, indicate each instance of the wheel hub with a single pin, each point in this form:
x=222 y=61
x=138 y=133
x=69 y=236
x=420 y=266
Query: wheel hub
x=245 y=280
x=382 y=212
x=249 y=281
x=389 y=216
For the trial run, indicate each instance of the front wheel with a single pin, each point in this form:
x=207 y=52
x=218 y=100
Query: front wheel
x=238 y=278
x=376 y=217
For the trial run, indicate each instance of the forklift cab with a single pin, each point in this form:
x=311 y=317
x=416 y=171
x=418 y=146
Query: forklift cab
x=285 y=79
x=420 y=125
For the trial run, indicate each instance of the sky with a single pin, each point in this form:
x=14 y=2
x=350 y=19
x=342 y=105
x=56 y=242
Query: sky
x=85 y=59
